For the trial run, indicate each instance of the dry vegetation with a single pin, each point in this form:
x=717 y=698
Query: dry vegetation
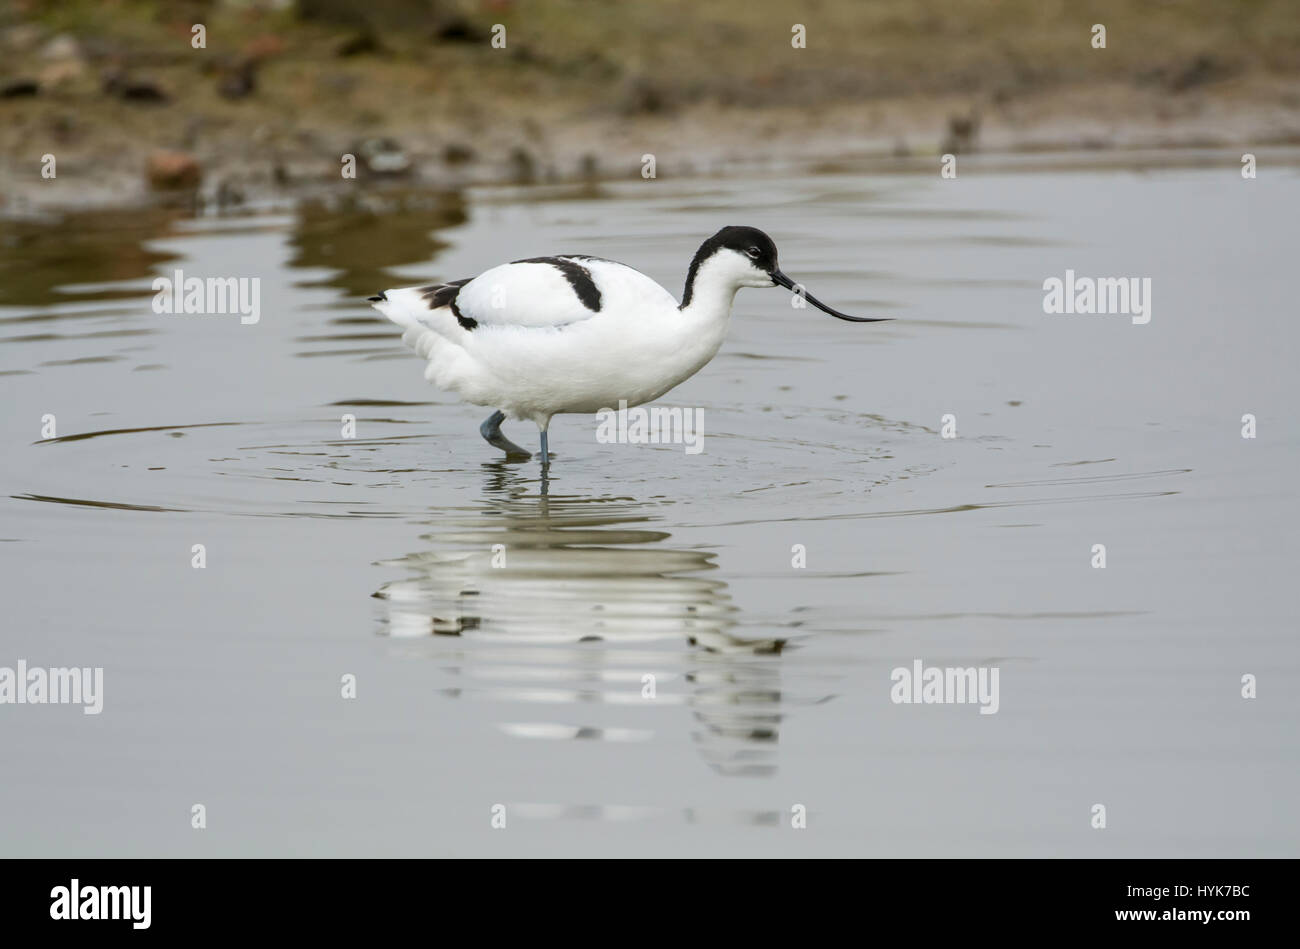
x=587 y=86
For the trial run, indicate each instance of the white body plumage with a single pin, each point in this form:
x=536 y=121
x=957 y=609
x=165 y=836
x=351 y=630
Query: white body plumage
x=537 y=351
x=551 y=335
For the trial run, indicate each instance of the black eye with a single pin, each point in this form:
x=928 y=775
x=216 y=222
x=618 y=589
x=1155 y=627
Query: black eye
x=752 y=253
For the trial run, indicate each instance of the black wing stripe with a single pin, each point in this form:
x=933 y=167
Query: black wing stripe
x=438 y=295
x=465 y=321
x=579 y=277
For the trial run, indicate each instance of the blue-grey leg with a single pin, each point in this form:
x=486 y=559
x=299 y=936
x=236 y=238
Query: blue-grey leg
x=546 y=458
x=491 y=431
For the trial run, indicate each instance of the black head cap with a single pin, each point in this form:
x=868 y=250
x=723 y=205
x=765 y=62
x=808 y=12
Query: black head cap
x=747 y=241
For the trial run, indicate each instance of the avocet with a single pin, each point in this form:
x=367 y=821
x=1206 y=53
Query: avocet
x=545 y=336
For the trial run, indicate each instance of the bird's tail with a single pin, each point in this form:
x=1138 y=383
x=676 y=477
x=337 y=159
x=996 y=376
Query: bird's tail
x=431 y=329
x=404 y=307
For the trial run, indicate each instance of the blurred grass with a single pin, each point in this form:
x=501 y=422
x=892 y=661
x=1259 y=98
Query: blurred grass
x=425 y=70
x=737 y=51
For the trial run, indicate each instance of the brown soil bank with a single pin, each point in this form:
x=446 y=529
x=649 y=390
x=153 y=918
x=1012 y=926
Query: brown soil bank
x=451 y=92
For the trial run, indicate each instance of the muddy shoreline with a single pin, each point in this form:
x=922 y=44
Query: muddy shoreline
x=907 y=134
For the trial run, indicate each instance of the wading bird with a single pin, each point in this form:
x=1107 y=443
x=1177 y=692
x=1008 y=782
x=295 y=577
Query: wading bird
x=576 y=334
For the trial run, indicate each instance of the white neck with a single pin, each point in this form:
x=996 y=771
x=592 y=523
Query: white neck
x=712 y=292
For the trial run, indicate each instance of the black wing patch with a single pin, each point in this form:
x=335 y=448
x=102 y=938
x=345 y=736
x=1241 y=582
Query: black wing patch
x=579 y=277
x=439 y=295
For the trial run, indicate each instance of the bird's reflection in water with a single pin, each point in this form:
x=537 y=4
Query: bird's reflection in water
x=563 y=602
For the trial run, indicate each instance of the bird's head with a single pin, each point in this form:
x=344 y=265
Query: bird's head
x=746 y=257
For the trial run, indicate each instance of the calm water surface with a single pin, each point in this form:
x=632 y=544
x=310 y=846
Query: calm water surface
x=480 y=685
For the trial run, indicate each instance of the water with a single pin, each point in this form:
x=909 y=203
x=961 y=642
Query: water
x=479 y=685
